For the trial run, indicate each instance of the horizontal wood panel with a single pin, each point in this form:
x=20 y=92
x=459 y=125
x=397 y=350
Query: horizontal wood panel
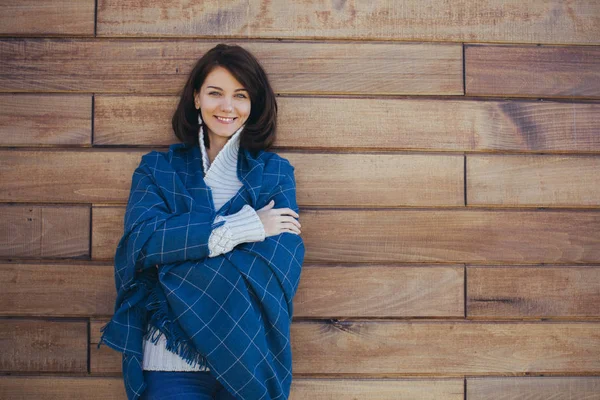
x=433 y=348
x=162 y=67
x=43 y=346
x=67 y=175
x=567 y=292
x=532 y=180
x=346 y=123
x=503 y=236
x=61 y=388
x=111 y=388
x=44 y=231
x=534 y=388
x=452 y=236
x=324 y=291
x=534 y=21
x=48 y=17
x=351 y=179
x=445 y=348
x=380 y=291
x=57 y=289
x=41 y=120
x=105 y=232
x=532 y=71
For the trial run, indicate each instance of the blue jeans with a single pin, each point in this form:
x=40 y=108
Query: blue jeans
x=182 y=385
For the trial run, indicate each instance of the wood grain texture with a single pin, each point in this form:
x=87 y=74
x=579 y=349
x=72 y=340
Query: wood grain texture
x=431 y=348
x=61 y=388
x=470 y=236
x=134 y=120
x=162 y=67
x=48 y=17
x=379 y=124
x=380 y=291
x=45 y=120
x=533 y=180
x=66 y=176
x=33 y=231
x=325 y=291
x=107 y=230
x=534 y=21
x=111 y=388
x=351 y=179
x=446 y=236
x=43 y=346
x=536 y=292
x=382 y=180
x=58 y=290
x=532 y=71
x=534 y=388
x=445 y=348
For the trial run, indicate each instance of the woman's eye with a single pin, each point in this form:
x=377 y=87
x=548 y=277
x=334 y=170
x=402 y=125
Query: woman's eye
x=214 y=93
x=241 y=96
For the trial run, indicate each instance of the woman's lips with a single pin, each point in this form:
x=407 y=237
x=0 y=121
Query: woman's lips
x=225 y=120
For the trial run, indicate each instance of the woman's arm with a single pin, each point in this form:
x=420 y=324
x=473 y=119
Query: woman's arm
x=244 y=226
x=154 y=234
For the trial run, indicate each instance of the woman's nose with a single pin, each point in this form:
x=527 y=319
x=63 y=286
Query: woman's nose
x=226 y=105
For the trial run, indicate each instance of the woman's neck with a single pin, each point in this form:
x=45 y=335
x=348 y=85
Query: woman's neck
x=216 y=145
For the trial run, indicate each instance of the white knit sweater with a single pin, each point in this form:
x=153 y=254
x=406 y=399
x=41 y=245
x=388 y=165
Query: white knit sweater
x=243 y=226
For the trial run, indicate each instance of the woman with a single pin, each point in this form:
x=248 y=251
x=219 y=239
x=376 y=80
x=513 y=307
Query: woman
x=211 y=255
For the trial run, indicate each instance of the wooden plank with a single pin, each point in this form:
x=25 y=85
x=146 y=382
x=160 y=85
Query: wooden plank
x=535 y=21
x=448 y=348
x=534 y=388
x=57 y=289
x=99 y=176
x=324 y=291
x=507 y=236
x=43 y=346
x=134 y=120
x=436 y=348
x=104 y=175
x=376 y=389
x=111 y=388
x=532 y=71
x=34 y=120
x=380 y=291
x=162 y=67
x=533 y=180
x=448 y=236
x=383 y=180
x=61 y=388
x=105 y=232
x=359 y=123
x=536 y=292
x=48 y=17
x=33 y=231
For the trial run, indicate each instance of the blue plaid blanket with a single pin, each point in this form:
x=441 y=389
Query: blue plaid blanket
x=232 y=312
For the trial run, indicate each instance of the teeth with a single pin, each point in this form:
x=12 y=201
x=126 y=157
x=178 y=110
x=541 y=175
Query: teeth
x=225 y=119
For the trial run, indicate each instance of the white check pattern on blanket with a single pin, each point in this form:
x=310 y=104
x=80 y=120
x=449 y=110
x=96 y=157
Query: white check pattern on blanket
x=234 y=309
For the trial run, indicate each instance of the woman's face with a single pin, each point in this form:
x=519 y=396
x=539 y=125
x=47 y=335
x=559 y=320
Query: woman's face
x=224 y=103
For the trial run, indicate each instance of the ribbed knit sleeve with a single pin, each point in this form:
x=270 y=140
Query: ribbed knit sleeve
x=242 y=227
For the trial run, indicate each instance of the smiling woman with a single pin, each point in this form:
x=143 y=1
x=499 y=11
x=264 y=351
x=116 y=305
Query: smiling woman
x=193 y=319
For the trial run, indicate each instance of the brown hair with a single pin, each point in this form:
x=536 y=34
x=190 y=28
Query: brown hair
x=259 y=131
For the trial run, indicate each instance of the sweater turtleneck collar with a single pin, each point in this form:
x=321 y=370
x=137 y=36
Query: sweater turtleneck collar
x=228 y=155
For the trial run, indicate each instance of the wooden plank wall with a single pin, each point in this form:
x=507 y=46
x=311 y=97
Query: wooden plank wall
x=447 y=155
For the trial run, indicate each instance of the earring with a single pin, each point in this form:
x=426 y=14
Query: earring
x=199 y=118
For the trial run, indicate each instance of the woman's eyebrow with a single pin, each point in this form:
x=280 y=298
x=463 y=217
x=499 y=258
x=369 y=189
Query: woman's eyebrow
x=236 y=90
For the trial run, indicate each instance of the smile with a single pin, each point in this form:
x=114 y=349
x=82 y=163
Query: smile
x=225 y=119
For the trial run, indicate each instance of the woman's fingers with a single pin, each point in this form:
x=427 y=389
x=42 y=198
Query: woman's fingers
x=290 y=220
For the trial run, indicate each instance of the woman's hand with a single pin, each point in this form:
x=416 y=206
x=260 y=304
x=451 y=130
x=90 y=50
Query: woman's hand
x=278 y=220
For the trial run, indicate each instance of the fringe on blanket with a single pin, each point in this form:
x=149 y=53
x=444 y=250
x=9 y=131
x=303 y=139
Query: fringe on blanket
x=161 y=323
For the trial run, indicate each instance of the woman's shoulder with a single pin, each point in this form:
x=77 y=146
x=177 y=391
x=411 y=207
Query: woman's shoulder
x=276 y=164
x=175 y=151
